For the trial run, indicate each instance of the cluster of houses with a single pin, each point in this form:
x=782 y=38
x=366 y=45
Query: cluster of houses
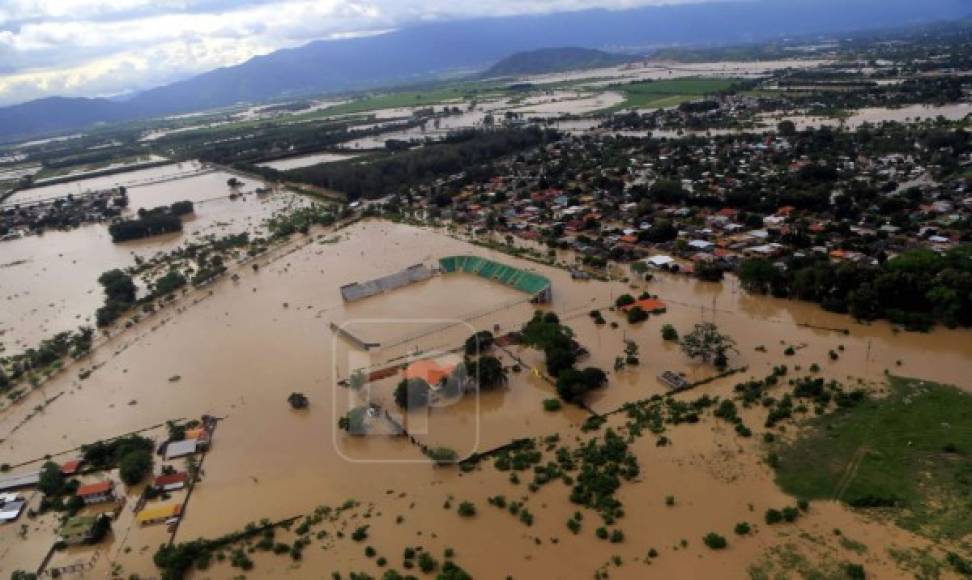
x=596 y=195
x=19 y=218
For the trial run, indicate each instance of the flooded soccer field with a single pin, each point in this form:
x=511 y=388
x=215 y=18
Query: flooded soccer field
x=248 y=343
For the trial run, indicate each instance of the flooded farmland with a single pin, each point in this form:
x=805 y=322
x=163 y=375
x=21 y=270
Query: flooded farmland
x=48 y=283
x=248 y=343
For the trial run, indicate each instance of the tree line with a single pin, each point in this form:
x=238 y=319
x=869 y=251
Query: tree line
x=462 y=152
x=915 y=289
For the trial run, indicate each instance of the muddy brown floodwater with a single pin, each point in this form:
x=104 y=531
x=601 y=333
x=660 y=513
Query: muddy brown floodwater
x=240 y=353
x=49 y=283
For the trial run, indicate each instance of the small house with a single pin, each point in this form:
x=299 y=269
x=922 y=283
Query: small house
x=176 y=449
x=170 y=481
x=97 y=492
x=159 y=514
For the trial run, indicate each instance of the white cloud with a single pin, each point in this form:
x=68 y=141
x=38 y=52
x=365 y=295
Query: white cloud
x=96 y=47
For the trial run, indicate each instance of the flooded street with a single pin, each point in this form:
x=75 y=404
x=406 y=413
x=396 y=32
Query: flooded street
x=244 y=345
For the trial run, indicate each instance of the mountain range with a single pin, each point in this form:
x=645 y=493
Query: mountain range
x=428 y=51
x=553 y=60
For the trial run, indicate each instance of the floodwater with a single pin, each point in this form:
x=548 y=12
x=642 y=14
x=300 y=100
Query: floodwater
x=305 y=160
x=570 y=103
x=243 y=349
x=655 y=70
x=877 y=115
x=48 y=283
x=127 y=179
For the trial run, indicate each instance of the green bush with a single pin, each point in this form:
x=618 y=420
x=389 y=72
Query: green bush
x=714 y=541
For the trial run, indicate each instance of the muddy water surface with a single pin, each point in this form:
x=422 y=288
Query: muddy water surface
x=241 y=351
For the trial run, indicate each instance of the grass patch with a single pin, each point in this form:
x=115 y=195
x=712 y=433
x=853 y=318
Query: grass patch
x=910 y=452
x=423 y=98
x=668 y=93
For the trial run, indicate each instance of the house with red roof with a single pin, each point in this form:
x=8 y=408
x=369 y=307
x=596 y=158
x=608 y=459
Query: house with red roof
x=97 y=492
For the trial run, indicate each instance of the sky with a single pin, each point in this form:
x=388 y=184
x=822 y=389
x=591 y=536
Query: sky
x=111 y=47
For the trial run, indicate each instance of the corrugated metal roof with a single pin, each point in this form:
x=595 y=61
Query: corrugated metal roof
x=20 y=480
x=179 y=448
x=159 y=512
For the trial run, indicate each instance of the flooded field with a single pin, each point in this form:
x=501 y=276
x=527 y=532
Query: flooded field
x=651 y=70
x=48 y=283
x=570 y=103
x=127 y=179
x=241 y=349
x=305 y=160
x=877 y=115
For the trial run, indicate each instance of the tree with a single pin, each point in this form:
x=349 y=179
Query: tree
x=714 y=541
x=488 y=371
x=51 y=479
x=354 y=421
x=786 y=127
x=134 y=466
x=706 y=342
x=170 y=282
x=624 y=300
x=573 y=384
x=631 y=352
x=118 y=286
x=479 y=342
x=298 y=401
x=636 y=315
x=669 y=333
x=412 y=393
x=759 y=275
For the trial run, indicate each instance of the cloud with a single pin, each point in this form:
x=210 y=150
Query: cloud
x=103 y=47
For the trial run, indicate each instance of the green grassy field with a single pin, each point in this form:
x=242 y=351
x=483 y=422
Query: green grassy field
x=912 y=448
x=668 y=93
x=422 y=98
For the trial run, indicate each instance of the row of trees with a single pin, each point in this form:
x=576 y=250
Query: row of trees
x=916 y=289
x=461 y=152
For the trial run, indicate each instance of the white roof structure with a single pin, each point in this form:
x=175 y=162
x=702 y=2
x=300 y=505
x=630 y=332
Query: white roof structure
x=180 y=448
x=19 y=480
x=701 y=244
x=659 y=260
x=11 y=510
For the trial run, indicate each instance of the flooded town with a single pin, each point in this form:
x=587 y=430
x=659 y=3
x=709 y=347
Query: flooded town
x=696 y=312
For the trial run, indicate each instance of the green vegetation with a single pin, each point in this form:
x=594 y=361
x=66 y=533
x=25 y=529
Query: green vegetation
x=462 y=152
x=298 y=401
x=668 y=93
x=669 y=333
x=467 y=509
x=120 y=294
x=152 y=222
x=134 y=466
x=106 y=455
x=915 y=289
x=412 y=393
x=706 y=342
x=910 y=452
x=714 y=541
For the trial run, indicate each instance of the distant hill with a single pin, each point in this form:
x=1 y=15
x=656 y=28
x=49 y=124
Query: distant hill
x=554 y=60
x=415 y=54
